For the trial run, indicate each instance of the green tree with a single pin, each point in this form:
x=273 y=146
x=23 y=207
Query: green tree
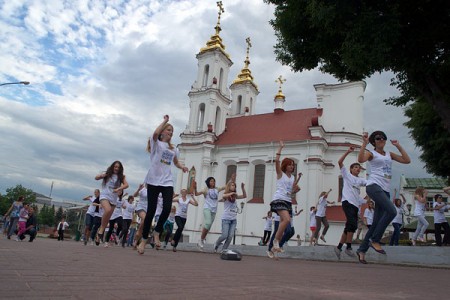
x=355 y=39
x=59 y=214
x=45 y=216
x=430 y=136
x=12 y=194
x=52 y=219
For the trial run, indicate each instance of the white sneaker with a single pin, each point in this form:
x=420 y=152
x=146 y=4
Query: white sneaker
x=413 y=242
x=106 y=245
x=270 y=254
x=92 y=243
x=350 y=252
x=17 y=239
x=201 y=244
x=276 y=246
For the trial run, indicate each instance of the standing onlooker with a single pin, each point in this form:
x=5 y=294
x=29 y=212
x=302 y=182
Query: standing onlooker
x=368 y=214
x=30 y=226
x=230 y=210
x=159 y=179
x=181 y=215
x=61 y=228
x=23 y=217
x=378 y=187
x=312 y=224
x=211 y=194
x=13 y=213
x=321 y=216
x=440 y=221
x=350 y=202
x=113 y=182
x=267 y=228
x=398 y=221
x=90 y=214
x=420 y=197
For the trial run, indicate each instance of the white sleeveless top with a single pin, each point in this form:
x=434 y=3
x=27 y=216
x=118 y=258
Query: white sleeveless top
x=284 y=188
x=183 y=207
x=419 y=209
x=380 y=170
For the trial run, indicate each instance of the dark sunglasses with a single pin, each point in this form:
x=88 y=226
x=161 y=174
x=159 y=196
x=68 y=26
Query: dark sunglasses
x=380 y=138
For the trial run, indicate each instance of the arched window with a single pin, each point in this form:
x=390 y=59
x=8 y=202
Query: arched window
x=258 y=184
x=251 y=106
x=217 y=119
x=239 y=105
x=205 y=76
x=221 y=79
x=231 y=169
x=201 y=117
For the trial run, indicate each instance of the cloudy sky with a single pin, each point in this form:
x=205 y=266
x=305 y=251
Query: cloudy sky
x=103 y=73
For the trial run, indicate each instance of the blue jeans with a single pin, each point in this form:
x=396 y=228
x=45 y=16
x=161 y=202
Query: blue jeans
x=287 y=234
x=131 y=236
x=384 y=213
x=396 y=235
x=228 y=227
x=422 y=225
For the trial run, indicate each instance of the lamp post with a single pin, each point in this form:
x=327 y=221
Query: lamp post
x=19 y=82
x=408 y=207
x=239 y=212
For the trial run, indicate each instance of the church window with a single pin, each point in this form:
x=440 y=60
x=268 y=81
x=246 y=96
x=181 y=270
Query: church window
x=340 y=187
x=217 y=120
x=220 y=79
x=201 y=117
x=205 y=76
x=258 y=184
x=231 y=169
x=239 y=105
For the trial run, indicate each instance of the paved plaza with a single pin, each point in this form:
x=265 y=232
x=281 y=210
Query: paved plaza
x=48 y=269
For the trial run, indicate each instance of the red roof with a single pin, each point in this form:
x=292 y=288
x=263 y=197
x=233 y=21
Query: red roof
x=280 y=125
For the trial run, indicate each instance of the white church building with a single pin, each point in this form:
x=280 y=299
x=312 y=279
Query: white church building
x=225 y=136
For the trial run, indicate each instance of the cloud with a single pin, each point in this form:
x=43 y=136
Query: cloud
x=104 y=73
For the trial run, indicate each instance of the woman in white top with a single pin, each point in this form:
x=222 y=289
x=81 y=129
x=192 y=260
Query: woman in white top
x=312 y=224
x=378 y=187
x=90 y=214
x=267 y=228
x=141 y=211
x=211 y=194
x=159 y=179
x=127 y=216
x=113 y=182
x=181 y=215
x=116 y=221
x=321 y=215
x=398 y=220
x=439 y=209
x=282 y=199
x=230 y=210
x=420 y=197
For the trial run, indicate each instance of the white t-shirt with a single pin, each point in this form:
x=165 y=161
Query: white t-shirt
x=351 y=188
x=276 y=218
x=439 y=216
x=312 y=219
x=161 y=159
x=183 y=205
x=321 y=207
x=127 y=212
x=117 y=210
x=419 y=208
x=143 y=201
x=107 y=190
x=368 y=214
x=211 y=197
x=230 y=210
x=100 y=212
x=380 y=170
x=268 y=224
x=399 y=217
x=91 y=208
x=62 y=225
x=284 y=188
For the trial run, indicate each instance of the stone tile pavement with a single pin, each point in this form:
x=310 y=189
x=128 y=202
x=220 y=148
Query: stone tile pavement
x=48 y=269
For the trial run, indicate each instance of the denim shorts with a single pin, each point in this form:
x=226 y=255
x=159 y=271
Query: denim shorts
x=89 y=221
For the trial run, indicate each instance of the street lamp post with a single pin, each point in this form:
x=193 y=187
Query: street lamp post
x=239 y=212
x=19 y=82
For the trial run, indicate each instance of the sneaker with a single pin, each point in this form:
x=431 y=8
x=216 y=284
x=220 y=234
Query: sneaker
x=421 y=239
x=201 y=244
x=92 y=243
x=413 y=242
x=106 y=245
x=270 y=254
x=338 y=252
x=323 y=238
x=350 y=252
x=17 y=239
x=216 y=247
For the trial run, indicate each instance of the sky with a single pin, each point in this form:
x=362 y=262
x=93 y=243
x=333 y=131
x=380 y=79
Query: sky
x=104 y=73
